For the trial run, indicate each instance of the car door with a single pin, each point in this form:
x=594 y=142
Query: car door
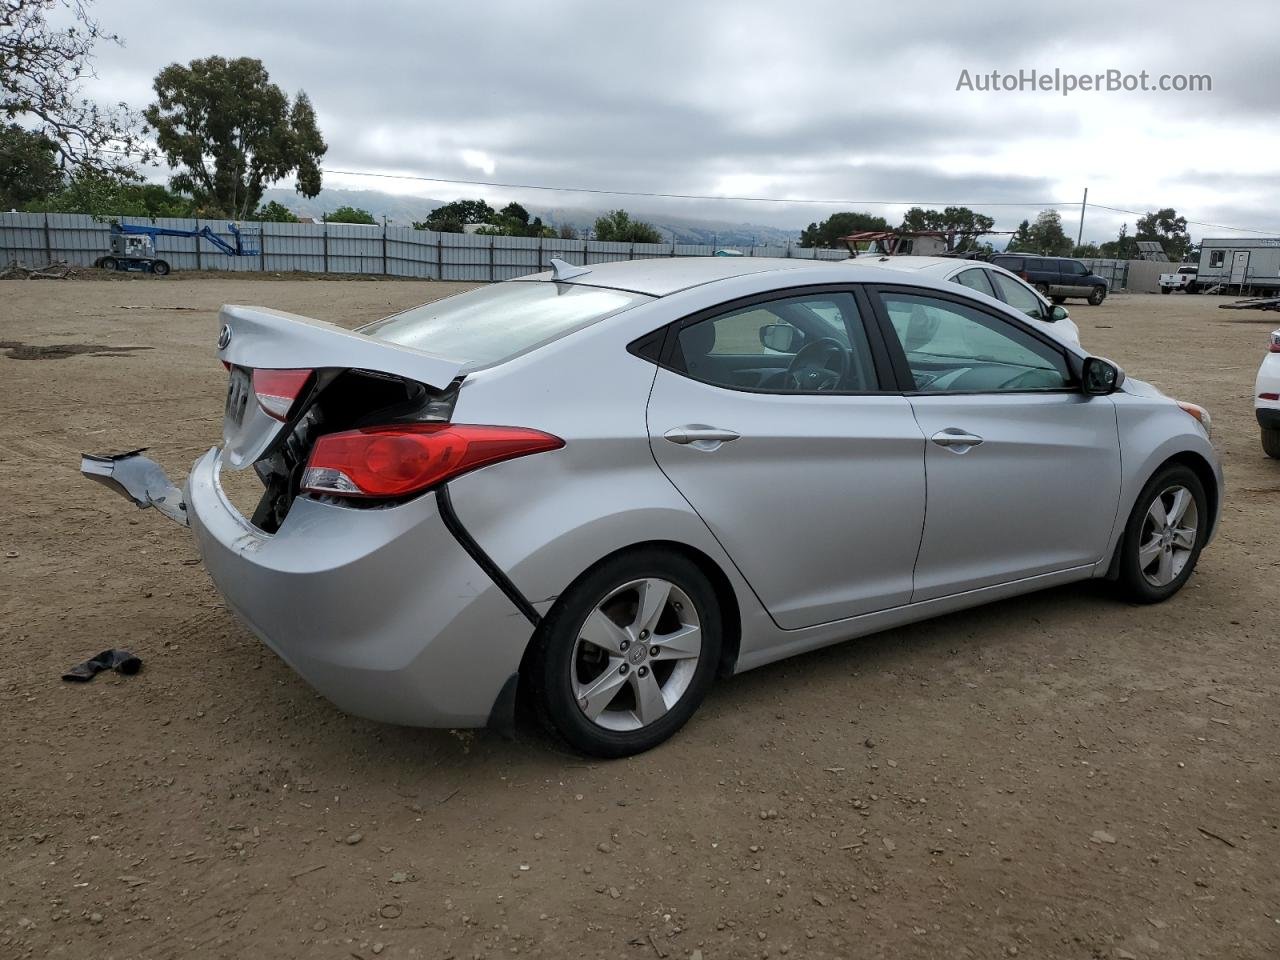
x=1023 y=468
x=1074 y=278
x=808 y=471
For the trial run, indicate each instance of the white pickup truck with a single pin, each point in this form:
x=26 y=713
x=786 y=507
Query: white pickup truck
x=1184 y=280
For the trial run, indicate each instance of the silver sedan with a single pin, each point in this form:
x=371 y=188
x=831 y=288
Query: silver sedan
x=600 y=489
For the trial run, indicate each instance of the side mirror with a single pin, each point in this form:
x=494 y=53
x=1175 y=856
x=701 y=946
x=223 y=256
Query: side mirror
x=1100 y=377
x=1058 y=313
x=782 y=337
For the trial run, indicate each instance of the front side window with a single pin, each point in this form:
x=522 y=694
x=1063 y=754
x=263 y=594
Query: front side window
x=1075 y=268
x=1018 y=295
x=952 y=348
x=803 y=344
x=495 y=323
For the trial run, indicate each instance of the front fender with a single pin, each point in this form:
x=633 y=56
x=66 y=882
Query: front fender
x=1153 y=431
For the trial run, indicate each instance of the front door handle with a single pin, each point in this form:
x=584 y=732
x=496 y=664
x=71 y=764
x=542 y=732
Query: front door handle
x=956 y=440
x=700 y=435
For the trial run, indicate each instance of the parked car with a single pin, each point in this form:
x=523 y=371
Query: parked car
x=1266 y=397
x=991 y=280
x=1057 y=278
x=603 y=488
x=1184 y=279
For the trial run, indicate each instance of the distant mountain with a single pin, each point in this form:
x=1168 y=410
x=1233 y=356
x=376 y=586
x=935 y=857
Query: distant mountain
x=404 y=210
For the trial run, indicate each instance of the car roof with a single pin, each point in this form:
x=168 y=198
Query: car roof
x=924 y=264
x=660 y=276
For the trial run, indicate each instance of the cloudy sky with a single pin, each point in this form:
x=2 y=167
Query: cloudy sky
x=814 y=101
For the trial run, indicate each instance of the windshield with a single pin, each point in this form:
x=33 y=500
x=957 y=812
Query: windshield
x=495 y=323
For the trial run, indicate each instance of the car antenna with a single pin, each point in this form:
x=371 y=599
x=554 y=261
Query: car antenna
x=563 y=270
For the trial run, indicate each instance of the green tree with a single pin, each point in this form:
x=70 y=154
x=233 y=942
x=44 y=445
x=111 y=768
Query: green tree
x=104 y=195
x=617 y=226
x=513 y=220
x=1020 y=242
x=28 y=167
x=828 y=233
x=349 y=215
x=1045 y=236
x=41 y=68
x=230 y=131
x=1168 y=229
x=452 y=217
x=969 y=224
x=1087 y=250
x=275 y=212
x=1123 y=247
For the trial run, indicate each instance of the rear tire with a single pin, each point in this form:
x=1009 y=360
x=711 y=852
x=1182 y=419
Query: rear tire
x=1156 y=559
x=160 y=268
x=1271 y=443
x=597 y=696
x=108 y=263
x=1192 y=288
x=1097 y=295
x=1166 y=289
x=1059 y=300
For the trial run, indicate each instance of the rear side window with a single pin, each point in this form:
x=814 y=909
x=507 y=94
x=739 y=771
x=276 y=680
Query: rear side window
x=1018 y=295
x=1009 y=263
x=975 y=279
x=493 y=324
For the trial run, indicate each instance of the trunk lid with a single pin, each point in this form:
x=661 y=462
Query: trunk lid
x=258 y=338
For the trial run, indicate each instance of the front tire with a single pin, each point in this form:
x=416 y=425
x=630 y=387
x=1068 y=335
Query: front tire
x=1043 y=290
x=1271 y=443
x=627 y=653
x=160 y=268
x=108 y=263
x=1164 y=535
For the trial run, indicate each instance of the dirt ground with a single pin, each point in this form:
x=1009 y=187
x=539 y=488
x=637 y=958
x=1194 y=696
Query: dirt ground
x=1060 y=775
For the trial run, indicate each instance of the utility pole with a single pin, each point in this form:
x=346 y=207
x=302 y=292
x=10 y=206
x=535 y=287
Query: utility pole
x=1083 y=203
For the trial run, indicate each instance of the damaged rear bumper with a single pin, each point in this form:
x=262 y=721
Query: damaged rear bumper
x=380 y=610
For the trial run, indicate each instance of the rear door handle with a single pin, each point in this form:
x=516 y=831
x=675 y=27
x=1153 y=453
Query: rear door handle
x=956 y=440
x=700 y=435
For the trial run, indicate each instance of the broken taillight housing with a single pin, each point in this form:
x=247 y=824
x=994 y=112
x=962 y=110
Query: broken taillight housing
x=1275 y=342
x=278 y=390
x=403 y=459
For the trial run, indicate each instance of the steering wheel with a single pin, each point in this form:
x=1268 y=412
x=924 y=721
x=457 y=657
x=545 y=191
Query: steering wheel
x=811 y=368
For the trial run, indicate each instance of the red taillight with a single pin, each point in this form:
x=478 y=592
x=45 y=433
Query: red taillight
x=1275 y=342
x=278 y=389
x=1024 y=275
x=1269 y=396
x=403 y=459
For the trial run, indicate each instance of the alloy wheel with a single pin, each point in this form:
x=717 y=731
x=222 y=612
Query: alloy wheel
x=1168 y=535
x=636 y=654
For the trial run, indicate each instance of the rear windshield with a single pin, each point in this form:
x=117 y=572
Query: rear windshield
x=495 y=323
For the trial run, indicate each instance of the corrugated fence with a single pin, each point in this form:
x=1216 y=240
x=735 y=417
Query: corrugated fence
x=37 y=238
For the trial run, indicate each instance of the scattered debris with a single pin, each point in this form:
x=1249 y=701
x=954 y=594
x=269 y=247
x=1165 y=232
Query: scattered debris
x=1215 y=836
x=1101 y=836
x=122 y=661
x=303 y=873
x=57 y=270
x=390 y=911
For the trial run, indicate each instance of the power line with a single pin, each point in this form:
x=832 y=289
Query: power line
x=744 y=199
x=694 y=196
x=1199 y=223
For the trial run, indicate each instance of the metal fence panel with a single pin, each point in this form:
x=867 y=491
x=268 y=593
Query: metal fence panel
x=37 y=238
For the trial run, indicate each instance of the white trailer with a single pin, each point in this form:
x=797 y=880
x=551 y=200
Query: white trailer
x=1235 y=265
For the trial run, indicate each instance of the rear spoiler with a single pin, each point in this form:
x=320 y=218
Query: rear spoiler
x=258 y=337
